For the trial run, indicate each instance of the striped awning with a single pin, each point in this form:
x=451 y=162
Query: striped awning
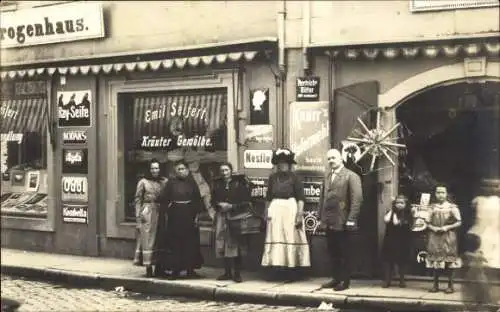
x=491 y=48
x=154 y=65
x=187 y=113
x=23 y=115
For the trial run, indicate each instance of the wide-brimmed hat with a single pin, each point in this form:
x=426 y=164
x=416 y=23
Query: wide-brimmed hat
x=283 y=155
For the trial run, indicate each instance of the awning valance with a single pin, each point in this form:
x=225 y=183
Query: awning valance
x=491 y=48
x=153 y=65
x=23 y=115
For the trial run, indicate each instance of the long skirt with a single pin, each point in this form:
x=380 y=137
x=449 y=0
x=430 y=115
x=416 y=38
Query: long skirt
x=182 y=250
x=285 y=245
x=227 y=243
x=147 y=248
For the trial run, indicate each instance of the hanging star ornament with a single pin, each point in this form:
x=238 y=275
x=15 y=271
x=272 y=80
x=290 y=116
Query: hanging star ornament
x=376 y=142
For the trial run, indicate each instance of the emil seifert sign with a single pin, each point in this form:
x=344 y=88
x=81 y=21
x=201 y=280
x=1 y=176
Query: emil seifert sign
x=50 y=24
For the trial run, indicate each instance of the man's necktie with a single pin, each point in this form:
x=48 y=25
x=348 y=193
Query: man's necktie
x=333 y=177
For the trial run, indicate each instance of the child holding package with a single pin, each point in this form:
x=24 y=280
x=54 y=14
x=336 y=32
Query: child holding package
x=442 y=254
x=397 y=240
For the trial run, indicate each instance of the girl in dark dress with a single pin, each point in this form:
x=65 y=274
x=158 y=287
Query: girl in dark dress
x=397 y=240
x=230 y=197
x=181 y=201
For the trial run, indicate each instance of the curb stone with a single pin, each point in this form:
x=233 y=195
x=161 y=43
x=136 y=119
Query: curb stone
x=215 y=293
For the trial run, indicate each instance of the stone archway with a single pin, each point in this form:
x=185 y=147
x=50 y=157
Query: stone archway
x=471 y=70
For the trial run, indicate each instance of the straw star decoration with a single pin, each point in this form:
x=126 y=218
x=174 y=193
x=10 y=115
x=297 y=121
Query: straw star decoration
x=376 y=142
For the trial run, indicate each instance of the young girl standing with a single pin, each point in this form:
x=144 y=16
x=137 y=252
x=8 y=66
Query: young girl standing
x=442 y=255
x=397 y=240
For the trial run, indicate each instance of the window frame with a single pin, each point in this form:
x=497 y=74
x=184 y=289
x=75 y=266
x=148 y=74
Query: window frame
x=46 y=224
x=459 y=5
x=116 y=226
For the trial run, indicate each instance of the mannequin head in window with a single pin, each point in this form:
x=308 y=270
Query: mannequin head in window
x=181 y=169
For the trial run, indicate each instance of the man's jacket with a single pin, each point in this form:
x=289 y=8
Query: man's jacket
x=341 y=199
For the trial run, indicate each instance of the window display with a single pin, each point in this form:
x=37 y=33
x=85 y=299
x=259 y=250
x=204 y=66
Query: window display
x=23 y=131
x=188 y=124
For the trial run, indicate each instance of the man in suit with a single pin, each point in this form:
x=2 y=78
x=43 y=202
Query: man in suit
x=341 y=198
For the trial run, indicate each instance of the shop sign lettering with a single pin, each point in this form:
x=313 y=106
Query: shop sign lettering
x=74 y=188
x=7 y=113
x=75 y=137
x=258 y=159
x=183 y=111
x=30 y=88
x=74 y=108
x=56 y=23
x=312 y=191
x=75 y=161
x=258 y=187
x=307 y=89
x=180 y=141
x=75 y=213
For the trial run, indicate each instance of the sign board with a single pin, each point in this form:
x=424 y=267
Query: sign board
x=74 y=189
x=307 y=89
x=312 y=192
x=51 y=24
x=258 y=159
x=435 y=5
x=309 y=136
x=258 y=134
x=72 y=213
x=75 y=161
x=73 y=108
x=258 y=187
x=259 y=108
x=74 y=136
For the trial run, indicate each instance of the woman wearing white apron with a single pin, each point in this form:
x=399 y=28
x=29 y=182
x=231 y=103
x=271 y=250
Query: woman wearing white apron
x=285 y=248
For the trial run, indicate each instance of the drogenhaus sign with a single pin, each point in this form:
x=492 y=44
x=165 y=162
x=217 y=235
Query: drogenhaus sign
x=57 y=23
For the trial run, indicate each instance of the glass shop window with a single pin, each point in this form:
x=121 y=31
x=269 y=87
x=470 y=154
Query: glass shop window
x=23 y=146
x=188 y=124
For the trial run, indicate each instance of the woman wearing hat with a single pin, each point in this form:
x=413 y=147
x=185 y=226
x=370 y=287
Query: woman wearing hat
x=286 y=245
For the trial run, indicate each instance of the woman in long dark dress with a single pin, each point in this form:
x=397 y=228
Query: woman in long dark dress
x=230 y=197
x=147 y=212
x=181 y=201
x=396 y=248
x=286 y=245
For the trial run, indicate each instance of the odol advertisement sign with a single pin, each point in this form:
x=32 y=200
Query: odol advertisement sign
x=309 y=136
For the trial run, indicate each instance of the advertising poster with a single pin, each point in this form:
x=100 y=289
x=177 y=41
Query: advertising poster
x=73 y=108
x=260 y=134
x=73 y=213
x=74 y=189
x=309 y=136
x=75 y=161
x=312 y=192
x=74 y=136
x=258 y=159
x=259 y=187
x=259 y=108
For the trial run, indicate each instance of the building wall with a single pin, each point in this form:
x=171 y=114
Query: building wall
x=145 y=25
x=349 y=23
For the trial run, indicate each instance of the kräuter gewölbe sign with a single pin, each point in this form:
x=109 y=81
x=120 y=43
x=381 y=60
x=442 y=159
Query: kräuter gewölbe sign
x=56 y=23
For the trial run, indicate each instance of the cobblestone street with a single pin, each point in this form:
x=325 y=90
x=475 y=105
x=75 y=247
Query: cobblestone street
x=42 y=296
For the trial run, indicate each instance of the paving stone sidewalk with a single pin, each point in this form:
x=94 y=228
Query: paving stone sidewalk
x=111 y=273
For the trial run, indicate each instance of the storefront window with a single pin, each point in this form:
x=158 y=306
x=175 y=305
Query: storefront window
x=23 y=131
x=169 y=126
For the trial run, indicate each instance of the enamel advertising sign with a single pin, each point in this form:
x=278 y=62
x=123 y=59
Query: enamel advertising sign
x=74 y=108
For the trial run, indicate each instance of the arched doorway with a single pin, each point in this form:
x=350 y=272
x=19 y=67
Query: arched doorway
x=452 y=134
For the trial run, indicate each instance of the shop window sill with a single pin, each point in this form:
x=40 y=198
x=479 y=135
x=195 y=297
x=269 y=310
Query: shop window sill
x=27 y=223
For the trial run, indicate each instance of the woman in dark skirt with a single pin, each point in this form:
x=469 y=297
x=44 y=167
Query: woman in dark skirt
x=230 y=197
x=396 y=249
x=181 y=201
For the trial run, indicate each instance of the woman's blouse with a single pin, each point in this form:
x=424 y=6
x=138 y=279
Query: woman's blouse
x=148 y=191
x=181 y=190
x=285 y=185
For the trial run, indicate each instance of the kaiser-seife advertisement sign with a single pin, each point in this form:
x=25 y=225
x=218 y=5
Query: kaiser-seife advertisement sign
x=50 y=24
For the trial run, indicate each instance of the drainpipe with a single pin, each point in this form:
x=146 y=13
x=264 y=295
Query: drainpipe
x=282 y=65
x=306 y=34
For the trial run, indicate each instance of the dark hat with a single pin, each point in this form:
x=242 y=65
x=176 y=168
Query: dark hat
x=283 y=155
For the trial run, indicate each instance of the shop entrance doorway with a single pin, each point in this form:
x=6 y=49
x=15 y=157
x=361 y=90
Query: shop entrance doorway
x=452 y=135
